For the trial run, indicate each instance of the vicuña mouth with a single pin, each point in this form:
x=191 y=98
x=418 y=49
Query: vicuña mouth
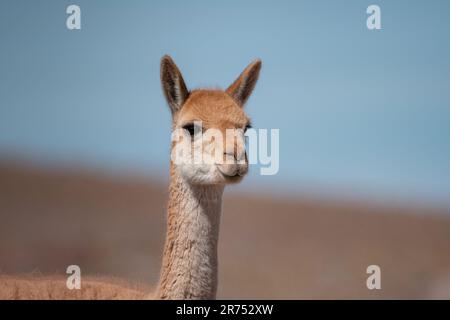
x=235 y=177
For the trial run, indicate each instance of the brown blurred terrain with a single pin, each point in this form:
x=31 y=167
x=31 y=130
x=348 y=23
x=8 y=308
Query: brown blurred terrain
x=269 y=248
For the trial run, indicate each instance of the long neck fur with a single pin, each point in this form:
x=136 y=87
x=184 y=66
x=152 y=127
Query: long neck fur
x=189 y=269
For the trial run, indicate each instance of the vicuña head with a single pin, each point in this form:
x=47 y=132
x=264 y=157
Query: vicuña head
x=213 y=123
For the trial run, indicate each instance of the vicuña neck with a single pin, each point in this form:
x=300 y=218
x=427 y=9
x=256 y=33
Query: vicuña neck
x=189 y=269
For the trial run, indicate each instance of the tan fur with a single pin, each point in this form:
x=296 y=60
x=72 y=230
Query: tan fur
x=189 y=268
x=190 y=264
x=215 y=108
x=49 y=288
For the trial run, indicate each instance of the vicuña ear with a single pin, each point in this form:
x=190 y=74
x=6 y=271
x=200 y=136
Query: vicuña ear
x=243 y=86
x=173 y=84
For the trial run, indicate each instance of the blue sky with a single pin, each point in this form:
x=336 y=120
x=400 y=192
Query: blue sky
x=362 y=113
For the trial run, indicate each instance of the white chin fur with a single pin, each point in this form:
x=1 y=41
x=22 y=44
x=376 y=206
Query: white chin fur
x=201 y=173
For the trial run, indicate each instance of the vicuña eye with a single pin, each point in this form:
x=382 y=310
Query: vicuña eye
x=190 y=127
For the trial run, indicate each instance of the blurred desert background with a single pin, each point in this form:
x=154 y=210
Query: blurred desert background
x=269 y=248
x=364 y=125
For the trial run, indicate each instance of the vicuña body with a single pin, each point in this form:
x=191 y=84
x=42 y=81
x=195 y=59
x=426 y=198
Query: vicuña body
x=189 y=267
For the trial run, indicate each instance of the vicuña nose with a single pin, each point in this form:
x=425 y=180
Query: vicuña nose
x=233 y=158
x=230 y=157
x=240 y=155
x=235 y=151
